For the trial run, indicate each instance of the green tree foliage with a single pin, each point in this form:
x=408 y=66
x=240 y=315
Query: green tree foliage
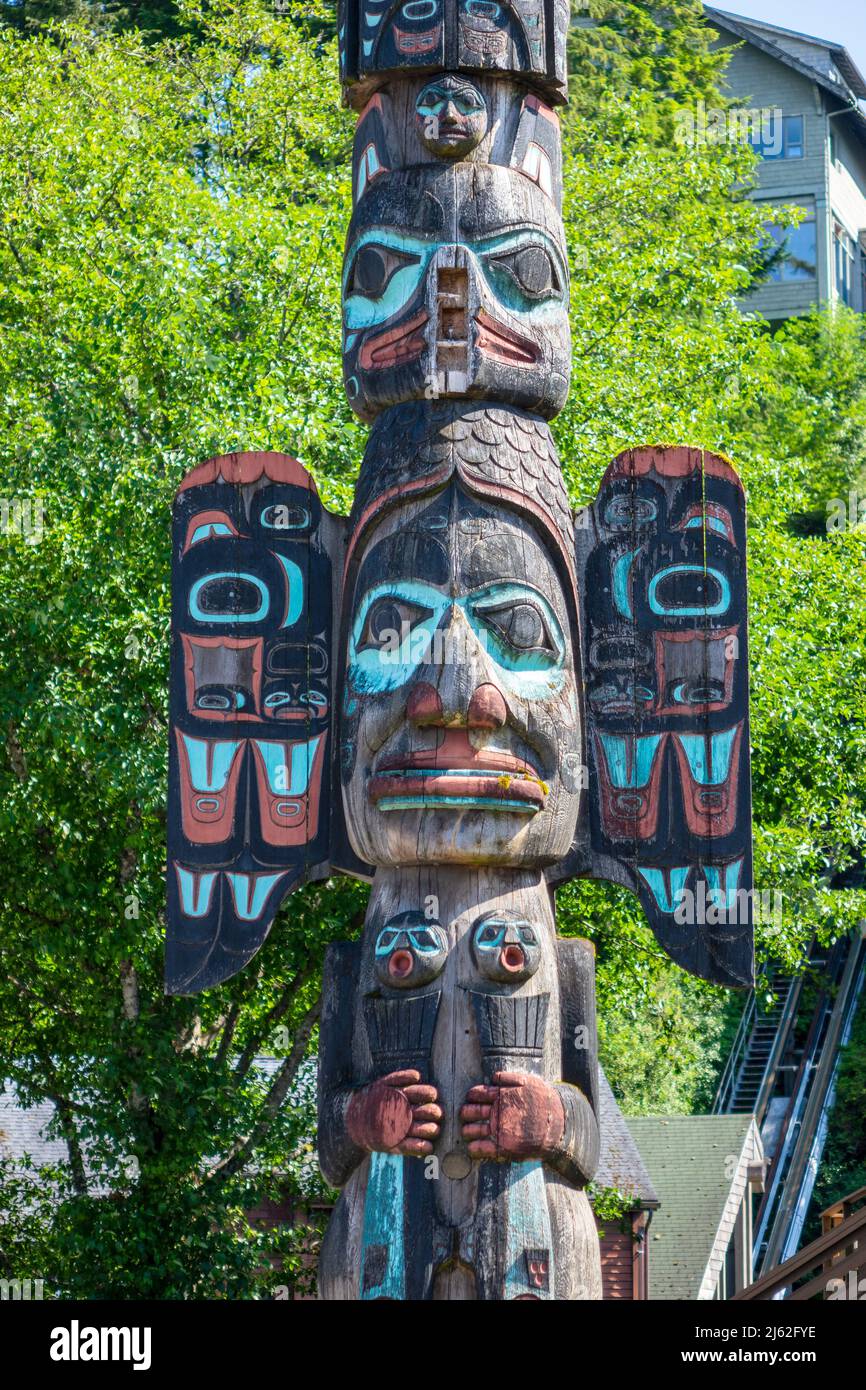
x=172 y=215
x=657 y=58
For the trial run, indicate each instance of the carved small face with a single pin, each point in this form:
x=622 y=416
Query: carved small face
x=455 y=284
x=506 y=947
x=410 y=950
x=460 y=732
x=451 y=117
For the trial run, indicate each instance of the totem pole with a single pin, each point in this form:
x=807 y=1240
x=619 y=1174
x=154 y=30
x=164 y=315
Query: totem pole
x=464 y=693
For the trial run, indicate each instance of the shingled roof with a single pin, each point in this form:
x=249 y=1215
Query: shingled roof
x=24 y=1131
x=620 y=1164
x=699 y=1167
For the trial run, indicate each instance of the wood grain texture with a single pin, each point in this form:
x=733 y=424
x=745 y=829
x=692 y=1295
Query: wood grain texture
x=456 y=285
x=518 y=1224
x=383 y=38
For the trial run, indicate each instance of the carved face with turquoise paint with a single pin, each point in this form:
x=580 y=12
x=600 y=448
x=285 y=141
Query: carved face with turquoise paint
x=461 y=729
x=409 y=951
x=450 y=117
x=506 y=947
x=455 y=284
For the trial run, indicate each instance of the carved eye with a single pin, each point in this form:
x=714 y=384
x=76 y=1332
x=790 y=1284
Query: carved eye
x=389 y=619
x=532 y=270
x=521 y=625
x=374 y=267
x=490 y=935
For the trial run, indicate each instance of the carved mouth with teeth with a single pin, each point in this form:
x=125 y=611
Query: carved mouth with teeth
x=456 y=776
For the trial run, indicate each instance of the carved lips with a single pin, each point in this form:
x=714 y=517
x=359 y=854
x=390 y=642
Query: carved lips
x=458 y=776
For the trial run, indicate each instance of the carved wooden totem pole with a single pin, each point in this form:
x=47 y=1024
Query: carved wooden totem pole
x=464 y=693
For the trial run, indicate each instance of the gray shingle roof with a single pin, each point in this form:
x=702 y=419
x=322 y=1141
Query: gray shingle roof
x=23 y=1131
x=620 y=1164
x=698 y=1167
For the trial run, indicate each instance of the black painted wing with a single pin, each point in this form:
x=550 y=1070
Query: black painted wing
x=661 y=561
x=251 y=707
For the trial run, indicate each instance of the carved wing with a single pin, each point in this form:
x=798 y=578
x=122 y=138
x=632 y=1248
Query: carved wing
x=661 y=562
x=250 y=710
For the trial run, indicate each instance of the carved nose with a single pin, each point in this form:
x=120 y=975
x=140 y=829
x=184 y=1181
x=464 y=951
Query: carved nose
x=424 y=705
x=486 y=709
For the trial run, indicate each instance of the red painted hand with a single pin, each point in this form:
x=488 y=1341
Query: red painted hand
x=520 y=1116
x=395 y=1115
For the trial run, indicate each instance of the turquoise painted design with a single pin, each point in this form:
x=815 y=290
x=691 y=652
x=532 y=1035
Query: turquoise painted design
x=209 y=530
x=643 y=751
x=667 y=891
x=362 y=311
x=713 y=522
x=723 y=894
x=221 y=759
x=202 y=617
x=528 y=1230
x=279 y=517
x=369 y=166
x=251 y=893
x=383 y=1226
x=425 y=940
x=712 y=771
x=195 y=891
x=627 y=511
x=691 y=610
x=621 y=590
x=490 y=935
x=292 y=778
x=295 y=585
x=447 y=803
x=532 y=674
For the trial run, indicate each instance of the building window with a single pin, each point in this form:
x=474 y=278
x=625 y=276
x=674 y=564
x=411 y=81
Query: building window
x=843 y=263
x=779 y=137
x=801 y=249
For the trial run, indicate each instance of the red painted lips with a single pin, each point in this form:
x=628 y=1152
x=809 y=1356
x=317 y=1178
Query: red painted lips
x=457 y=769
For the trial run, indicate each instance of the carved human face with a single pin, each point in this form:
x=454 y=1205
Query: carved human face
x=456 y=284
x=450 y=117
x=460 y=738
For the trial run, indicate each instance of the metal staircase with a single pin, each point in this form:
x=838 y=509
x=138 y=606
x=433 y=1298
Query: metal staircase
x=788 y=1085
x=762 y=1037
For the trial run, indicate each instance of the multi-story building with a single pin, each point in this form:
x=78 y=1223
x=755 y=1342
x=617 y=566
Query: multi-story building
x=801 y=101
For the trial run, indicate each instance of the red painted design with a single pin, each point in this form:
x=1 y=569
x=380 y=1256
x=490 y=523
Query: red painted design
x=669 y=462
x=248 y=468
x=288 y=819
x=502 y=343
x=207 y=519
x=629 y=813
x=710 y=811
x=401 y=344
x=662 y=640
x=255 y=644
x=208 y=816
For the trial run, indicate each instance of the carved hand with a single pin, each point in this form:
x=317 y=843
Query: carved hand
x=395 y=1115
x=520 y=1116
